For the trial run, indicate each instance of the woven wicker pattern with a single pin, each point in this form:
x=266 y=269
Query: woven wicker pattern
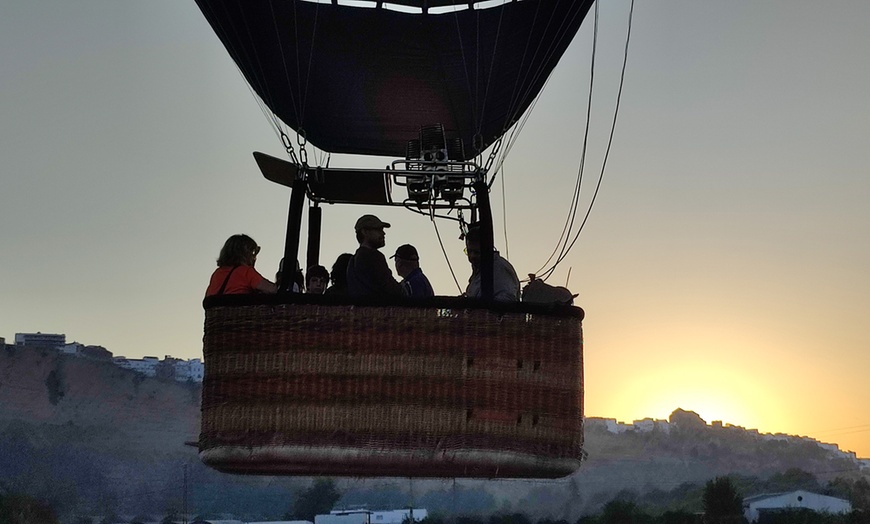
x=389 y=390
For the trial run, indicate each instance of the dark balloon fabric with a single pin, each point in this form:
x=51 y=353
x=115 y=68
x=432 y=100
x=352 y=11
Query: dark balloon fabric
x=363 y=80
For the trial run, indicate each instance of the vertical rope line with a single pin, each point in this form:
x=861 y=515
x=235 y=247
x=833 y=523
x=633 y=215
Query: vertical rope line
x=446 y=258
x=284 y=61
x=609 y=141
x=242 y=54
x=585 y=148
x=575 y=198
x=269 y=97
x=491 y=69
x=532 y=76
x=310 y=60
x=515 y=94
x=477 y=122
x=296 y=49
x=465 y=66
x=507 y=252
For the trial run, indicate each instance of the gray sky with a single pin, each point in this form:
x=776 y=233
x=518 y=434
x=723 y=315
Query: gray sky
x=723 y=270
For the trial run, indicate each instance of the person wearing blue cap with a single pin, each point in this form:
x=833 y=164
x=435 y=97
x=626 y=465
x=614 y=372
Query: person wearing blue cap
x=414 y=282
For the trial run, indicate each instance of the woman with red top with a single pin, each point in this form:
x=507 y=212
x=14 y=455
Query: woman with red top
x=235 y=273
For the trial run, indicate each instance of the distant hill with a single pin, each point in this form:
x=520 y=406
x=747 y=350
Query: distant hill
x=91 y=437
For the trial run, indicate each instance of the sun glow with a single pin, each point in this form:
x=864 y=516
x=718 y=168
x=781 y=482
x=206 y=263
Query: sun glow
x=713 y=394
x=724 y=384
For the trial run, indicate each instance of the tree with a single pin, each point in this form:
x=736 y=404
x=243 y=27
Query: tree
x=678 y=517
x=861 y=495
x=466 y=519
x=792 y=479
x=22 y=509
x=434 y=518
x=318 y=499
x=839 y=487
x=513 y=518
x=619 y=511
x=722 y=502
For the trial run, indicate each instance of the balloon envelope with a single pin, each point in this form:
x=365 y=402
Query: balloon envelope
x=364 y=80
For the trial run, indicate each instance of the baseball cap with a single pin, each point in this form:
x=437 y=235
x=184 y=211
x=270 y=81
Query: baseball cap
x=369 y=222
x=407 y=252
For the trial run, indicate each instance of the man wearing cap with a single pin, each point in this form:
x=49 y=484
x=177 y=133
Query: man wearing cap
x=414 y=282
x=368 y=274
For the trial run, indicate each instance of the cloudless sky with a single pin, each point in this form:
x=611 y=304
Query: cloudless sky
x=724 y=268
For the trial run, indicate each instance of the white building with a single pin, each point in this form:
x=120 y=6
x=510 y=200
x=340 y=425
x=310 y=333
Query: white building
x=181 y=370
x=364 y=516
x=192 y=370
x=648 y=425
x=609 y=424
x=281 y=522
x=147 y=366
x=753 y=507
x=357 y=516
x=644 y=426
x=398 y=516
x=73 y=348
x=40 y=339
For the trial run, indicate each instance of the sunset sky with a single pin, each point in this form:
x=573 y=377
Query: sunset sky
x=723 y=270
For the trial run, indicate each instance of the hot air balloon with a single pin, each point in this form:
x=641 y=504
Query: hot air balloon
x=442 y=387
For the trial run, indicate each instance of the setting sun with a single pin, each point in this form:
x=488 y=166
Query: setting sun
x=728 y=381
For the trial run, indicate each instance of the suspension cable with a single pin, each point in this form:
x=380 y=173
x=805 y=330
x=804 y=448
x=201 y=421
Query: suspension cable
x=530 y=78
x=575 y=197
x=550 y=270
x=446 y=258
x=579 y=185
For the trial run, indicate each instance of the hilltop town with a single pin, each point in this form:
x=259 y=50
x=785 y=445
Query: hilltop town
x=686 y=419
x=170 y=367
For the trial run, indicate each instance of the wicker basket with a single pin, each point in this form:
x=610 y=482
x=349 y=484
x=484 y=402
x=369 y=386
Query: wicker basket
x=441 y=388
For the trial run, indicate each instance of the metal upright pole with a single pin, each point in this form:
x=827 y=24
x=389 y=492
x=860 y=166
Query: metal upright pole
x=486 y=242
x=315 y=214
x=291 y=243
x=184 y=503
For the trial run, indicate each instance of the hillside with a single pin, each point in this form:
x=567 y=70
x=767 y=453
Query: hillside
x=88 y=435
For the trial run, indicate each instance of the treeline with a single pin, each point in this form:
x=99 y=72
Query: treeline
x=22 y=509
x=720 y=500
x=688 y=497
x=627 y=513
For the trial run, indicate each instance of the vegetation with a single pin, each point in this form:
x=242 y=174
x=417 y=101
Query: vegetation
x=23 y=509
x=720 y=496
x=722 y=502
x=54 y=385
x=318 y=499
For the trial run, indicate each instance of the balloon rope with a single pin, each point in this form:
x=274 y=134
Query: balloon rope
x=609 y=141
x=575 y=197
x=447 y=258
